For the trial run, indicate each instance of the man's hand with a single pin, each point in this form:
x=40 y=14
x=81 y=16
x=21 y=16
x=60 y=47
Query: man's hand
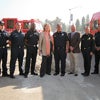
x=91 y=53
x=97 y=48
x=71 y=48
x=40 y=52
x=66 y=50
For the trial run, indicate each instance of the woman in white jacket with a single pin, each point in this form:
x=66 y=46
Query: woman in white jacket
x=45 y=49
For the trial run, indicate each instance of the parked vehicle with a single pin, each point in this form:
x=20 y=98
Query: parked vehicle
x=95 y=21
x=10 y=24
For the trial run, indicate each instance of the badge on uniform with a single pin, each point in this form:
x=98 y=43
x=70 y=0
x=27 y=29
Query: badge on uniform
x=54 y=35
x=89 y=38
x=62 y=34
x=31 y=35
x=93 y=38
x=35 y=33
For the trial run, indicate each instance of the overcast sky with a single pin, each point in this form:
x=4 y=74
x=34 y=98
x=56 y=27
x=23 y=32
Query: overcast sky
x=48 y=9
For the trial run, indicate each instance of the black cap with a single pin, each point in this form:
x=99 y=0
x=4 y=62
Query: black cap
x=2 y=22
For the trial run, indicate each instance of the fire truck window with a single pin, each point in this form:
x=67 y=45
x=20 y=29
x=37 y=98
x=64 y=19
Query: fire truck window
x=10 y=24
x=26 y=25
x=95 y=26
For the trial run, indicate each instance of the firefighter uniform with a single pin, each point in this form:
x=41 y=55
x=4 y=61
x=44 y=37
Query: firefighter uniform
x=60 y=39
x=87 y=46
x=17 y=51
x=31 y=41
x=97 y=53
x=3 y=50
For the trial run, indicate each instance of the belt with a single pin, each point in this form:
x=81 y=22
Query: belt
x=19 y=46
x=16 y=46
x=86 y=48
x=60 y=47
x=32 y=45
x=2 y=46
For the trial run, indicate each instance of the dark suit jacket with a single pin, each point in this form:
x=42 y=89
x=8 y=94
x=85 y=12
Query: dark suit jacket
x=74 y=41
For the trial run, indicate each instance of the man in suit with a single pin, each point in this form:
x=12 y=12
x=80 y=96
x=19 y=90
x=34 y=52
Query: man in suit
x=74 y=50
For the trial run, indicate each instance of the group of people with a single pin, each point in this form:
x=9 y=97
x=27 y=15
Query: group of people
x=59 y=44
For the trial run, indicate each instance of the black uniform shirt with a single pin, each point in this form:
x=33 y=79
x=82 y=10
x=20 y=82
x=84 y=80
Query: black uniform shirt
x=3 y=38
x=87 y=42
x=97 y=39
x=60 y=39
x=17 y=38
x=31 y=38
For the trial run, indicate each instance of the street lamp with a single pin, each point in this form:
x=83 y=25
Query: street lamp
x=71 y=15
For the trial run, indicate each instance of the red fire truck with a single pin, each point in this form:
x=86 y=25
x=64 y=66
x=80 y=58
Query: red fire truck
x=95 y=21
x=11 y=22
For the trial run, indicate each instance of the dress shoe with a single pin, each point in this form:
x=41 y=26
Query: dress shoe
x=21 y=73
x=5 y=75
x=83 y=73
x=94 y=73
x=62 y=74
x=25 y=76
x=75 y=74
x=70 y=73
x=12 y=76
x=34 y=73
x=41 y=76
x=55 y=74
x=48 y=73
x=0 y=70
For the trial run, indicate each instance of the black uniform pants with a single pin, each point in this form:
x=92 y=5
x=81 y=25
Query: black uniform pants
x=30 y=59
x=3 y=57
x=60 y=55
x=16 y=52
x=46 y=65
x=87 y=61
x=97 y=60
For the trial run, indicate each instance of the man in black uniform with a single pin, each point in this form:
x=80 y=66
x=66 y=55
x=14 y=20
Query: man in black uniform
x=31 y=41
x=61 y=44
x=17 y=49
x=87 y=48
x=3 y=49
x=97 y=51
